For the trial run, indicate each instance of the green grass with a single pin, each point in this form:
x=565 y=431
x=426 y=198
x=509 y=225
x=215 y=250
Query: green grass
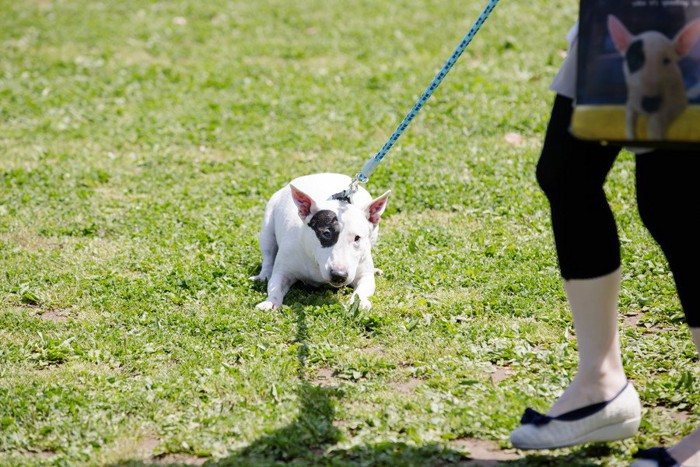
x=140 y=141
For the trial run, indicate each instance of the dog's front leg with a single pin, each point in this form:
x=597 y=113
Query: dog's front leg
x=659 y=125
x=364 y=288
x=277 y=288
x=657 y=128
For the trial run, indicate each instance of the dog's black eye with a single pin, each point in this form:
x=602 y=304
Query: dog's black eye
x=357 y=238
x=666 y=61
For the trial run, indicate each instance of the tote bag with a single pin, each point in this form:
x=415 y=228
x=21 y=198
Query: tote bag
x=638 y=73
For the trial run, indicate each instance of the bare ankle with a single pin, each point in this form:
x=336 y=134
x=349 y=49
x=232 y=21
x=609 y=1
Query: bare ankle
x=587 y=389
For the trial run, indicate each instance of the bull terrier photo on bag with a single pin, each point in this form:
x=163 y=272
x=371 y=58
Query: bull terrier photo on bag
x=307 y=236
x=654 y=80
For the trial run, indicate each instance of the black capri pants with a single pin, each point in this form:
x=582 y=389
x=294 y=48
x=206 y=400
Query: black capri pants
x=572 y=172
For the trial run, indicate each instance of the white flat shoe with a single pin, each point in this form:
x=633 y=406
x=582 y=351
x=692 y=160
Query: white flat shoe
x=611 y=420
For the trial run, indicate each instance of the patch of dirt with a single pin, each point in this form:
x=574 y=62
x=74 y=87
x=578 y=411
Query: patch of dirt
x=179 y=459
x=406 y=387
x=518 y=140
x=634 y=321
x=324 y=377
x=147 y=446
x=675 y=414
x=40 y=454
x=514 y=139
x=55 y=315
x=499 y=374
x=373 y=350
x=679 y=415
x=339 y=423
x=484 y=452
x=30 y=241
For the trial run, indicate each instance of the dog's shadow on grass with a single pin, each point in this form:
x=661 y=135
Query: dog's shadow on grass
x=305 y=441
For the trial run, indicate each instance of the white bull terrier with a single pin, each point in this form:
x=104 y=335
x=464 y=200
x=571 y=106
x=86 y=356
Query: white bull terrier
x=654 y=81
x=308 y=236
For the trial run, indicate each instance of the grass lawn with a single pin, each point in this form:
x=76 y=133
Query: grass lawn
x=140 y=141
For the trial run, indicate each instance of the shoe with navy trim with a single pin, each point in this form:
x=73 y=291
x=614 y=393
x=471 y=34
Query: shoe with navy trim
x=654 y=457
x=611 y=420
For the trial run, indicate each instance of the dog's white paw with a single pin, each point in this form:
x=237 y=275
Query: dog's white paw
x=378 y=272
x=361 y=303
x=259 y=278
x=265 y=306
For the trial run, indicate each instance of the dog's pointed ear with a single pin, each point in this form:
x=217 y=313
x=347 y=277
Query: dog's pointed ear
x=376 y=208
x=619 y=33
x=305 y=204
x=687 y=37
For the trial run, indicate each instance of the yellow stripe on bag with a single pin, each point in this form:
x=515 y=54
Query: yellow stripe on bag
x=607 y=123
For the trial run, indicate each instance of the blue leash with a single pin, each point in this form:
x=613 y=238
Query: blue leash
x=371 y=164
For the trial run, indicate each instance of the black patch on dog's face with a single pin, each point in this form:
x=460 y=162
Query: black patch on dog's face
x=635 y=56
x=326 y=227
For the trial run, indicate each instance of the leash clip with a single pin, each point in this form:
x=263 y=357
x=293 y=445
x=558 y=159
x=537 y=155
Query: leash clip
x=348 y=192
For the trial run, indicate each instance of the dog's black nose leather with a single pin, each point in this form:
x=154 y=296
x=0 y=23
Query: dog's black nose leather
x=651 y=104
x=338 y=277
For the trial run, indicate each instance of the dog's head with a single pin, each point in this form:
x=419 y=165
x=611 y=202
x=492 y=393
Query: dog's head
x=651 y=63
x=340 y=234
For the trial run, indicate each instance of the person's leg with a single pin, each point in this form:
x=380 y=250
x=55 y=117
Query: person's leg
x=669 y=205
x=572 y=172
x=600 y=374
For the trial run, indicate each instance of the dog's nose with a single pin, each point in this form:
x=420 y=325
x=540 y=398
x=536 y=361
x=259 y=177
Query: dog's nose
x=338 y=277
x=651 y=104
